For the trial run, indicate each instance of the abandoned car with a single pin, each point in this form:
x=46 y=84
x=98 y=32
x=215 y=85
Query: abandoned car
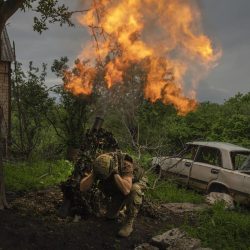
x=211 y=167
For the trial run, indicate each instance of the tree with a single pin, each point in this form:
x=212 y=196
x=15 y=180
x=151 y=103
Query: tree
x=48 y=11
x=70 y=115
x=30 y=105
x=69 y=118
x=233 y=122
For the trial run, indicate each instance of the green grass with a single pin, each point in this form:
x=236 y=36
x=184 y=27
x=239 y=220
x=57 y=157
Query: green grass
x=168 y=191
x=35 y=175
x=222 y=229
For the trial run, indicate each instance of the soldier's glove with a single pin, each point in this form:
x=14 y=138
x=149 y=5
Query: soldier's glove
x=115 y=171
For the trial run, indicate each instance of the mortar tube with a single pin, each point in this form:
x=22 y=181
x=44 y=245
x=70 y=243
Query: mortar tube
x=97 y=124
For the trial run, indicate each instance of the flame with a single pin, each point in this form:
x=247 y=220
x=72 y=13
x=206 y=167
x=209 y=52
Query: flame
x=80 y=80
x=163 y=35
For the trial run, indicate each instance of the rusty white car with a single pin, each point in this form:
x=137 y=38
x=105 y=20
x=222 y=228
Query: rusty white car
x=211 y=167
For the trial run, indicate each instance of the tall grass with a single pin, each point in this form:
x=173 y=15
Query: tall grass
x=222 y=229
x=168 y=191
x=35 y=175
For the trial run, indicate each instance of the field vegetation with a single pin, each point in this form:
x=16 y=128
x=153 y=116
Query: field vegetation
x=48 y=122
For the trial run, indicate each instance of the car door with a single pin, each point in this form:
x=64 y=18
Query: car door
x=238 y=179
x=205 y=168
x=245 y=168
x=247 y=189
x=183 y=163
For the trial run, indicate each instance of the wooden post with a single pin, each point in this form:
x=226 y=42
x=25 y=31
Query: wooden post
x=3 y=201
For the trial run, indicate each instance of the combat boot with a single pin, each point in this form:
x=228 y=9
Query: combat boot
x=127 y=228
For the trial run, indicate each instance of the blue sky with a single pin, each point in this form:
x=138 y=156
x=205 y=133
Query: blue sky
x=226 y=22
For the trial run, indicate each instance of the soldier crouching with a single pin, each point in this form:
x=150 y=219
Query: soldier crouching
x=122 y=182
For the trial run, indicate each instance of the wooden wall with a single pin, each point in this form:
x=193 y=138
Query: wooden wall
x=5 y=87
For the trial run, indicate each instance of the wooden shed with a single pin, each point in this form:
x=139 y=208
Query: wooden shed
x=7 y=56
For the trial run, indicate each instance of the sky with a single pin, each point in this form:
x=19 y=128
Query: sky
x=226 y=22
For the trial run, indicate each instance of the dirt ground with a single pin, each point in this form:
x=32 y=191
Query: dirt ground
x=32 y=223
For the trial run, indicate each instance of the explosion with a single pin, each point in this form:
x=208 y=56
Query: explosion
x=164 y=36
x=81 y=80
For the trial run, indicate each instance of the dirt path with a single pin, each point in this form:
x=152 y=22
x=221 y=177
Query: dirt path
x=32 y=224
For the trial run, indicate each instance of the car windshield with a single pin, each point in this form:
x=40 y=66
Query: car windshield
x=241 y=160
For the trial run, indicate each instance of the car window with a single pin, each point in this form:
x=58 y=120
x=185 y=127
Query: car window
x=210 y=156
x=246 y=164
x=240 y=160
x=190 y=152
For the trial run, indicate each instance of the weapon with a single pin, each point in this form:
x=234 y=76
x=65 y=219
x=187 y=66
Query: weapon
x=95 y=142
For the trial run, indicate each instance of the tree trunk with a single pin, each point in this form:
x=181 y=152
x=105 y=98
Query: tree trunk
x=7 y=9
x=3 y=201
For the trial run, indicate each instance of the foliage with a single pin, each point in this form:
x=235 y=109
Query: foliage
x=50 y=12
x=139 y=126
x=42 y=126
x=47 y=11
x=162 y=131
x=222 y=229
x=69 y=117
x=30 y=105
x=71 y=114
x=25 y=176
x=233 y=123
x=160 y=127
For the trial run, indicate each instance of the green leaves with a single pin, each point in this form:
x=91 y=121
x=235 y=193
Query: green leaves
x=163 y=132
x=50 y=12
x=30 y=105
x=72 y=113
x=47 y=12
x=232 y=124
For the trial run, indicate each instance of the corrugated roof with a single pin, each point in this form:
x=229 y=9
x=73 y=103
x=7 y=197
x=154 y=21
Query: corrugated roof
x=7 y=54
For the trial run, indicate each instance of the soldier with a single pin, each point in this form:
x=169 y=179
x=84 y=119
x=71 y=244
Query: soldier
x=122 y=181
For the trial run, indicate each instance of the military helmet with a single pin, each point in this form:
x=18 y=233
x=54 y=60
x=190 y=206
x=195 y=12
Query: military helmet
x=101 y=166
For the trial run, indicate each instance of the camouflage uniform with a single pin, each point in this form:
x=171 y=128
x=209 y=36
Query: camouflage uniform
x=103 y=168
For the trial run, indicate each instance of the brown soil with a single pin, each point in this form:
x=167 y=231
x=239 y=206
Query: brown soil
x=32 y=223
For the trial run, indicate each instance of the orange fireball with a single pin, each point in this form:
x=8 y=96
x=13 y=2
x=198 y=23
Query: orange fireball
x=80 y=80
x=166 y=34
